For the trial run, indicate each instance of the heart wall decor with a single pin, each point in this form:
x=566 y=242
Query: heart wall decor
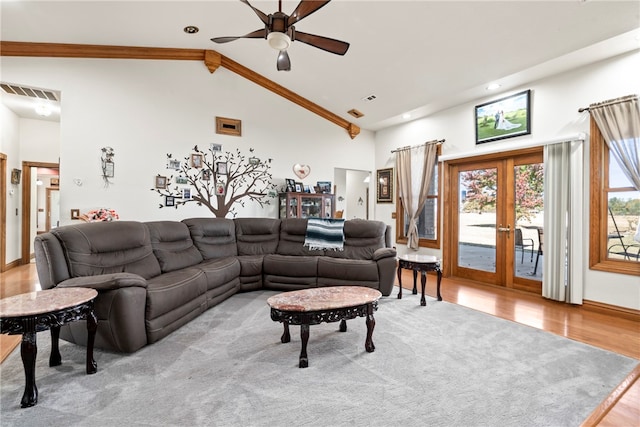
x=301 y=171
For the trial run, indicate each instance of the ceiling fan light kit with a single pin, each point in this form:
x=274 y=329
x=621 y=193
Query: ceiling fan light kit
x=278 y=41
x=280 y=32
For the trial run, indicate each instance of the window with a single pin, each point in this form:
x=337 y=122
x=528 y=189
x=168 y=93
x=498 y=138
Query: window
x=615 y=211
x=428 y=219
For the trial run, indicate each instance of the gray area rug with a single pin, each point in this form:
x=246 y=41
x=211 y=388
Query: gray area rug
x=440 y=365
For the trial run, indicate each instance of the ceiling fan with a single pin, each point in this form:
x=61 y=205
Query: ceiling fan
x=280 y=32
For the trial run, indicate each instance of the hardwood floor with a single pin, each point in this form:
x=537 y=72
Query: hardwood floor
x=601 y=328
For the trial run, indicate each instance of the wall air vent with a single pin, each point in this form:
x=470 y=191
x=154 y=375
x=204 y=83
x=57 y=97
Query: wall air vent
x=355 y=113
x=29 y=91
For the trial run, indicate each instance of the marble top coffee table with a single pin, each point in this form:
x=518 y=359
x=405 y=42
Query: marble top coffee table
x=34 y=312
x=329 y=304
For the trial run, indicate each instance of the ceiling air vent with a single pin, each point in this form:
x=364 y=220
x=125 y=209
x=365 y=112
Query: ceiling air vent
x=369 y=98
x=355 y=113
x=29 y=91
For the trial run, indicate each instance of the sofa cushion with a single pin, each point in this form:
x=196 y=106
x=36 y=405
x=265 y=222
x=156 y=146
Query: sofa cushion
x=214 y=237
x=292 y=234
x=347 y=270
x=257 y=236
x=108 y=247
x=172 y=245
x=293 y=266
x=220 y=271
x=362 y=238
x=171 y=290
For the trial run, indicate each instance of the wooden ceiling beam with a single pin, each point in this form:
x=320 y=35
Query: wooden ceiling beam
x=211 y=59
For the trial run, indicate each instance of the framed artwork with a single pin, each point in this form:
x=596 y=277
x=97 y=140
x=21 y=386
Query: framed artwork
x=220 y=191
x=169 y=201
x=15 y=176
x=181 y=180
x=384 y=189
x=299 y=187
x=291 y=185
x=196 y=160
x=173 y=164
x=504 y=118
x=108 y=169
x=325 y=187
x=186 y=193
x=215 y=148
x=206 y=175
x=161 y=182
x=221 y=168
x=75 y=213
x=254 y=161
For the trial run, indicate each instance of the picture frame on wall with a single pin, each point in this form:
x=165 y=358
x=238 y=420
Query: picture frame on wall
x=161 y=182
x=221 y=168
x=196 y=160
x=384 y=187
x=169 y=201
x=15 y=176
x=506 y=117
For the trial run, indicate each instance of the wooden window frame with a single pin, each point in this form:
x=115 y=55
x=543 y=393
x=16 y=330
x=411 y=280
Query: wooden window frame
x=598 y=211
x=423 y=243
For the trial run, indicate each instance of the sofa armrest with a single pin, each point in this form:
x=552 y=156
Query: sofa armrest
x=384 y=253
x=105 y=282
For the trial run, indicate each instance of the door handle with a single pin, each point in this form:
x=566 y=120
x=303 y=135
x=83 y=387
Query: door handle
x=506 y=229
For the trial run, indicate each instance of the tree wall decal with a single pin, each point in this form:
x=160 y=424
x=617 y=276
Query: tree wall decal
x=218 y=180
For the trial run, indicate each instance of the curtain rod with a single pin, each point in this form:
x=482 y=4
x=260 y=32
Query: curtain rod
x=435 y=141
x=609 y=102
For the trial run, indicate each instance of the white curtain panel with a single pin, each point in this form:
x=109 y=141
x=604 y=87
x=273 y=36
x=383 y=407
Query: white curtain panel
x=414 y=167
x=563 y=227
x=619 y=122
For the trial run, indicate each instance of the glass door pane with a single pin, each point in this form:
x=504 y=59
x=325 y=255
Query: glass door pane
x=529 y=215
x=477 y=191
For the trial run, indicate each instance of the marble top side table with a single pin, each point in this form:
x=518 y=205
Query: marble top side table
x=34 y=312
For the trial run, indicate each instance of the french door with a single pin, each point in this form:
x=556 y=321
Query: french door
x=495 y=220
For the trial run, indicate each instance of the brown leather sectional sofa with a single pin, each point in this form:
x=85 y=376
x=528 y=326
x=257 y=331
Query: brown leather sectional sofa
x=153 y=277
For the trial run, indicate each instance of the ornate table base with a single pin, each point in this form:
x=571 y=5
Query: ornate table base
x=293 y=311
x=31 y=323
x=421 y=263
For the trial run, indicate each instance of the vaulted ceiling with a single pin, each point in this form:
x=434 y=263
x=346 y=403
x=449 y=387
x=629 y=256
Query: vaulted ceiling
x=414 y=57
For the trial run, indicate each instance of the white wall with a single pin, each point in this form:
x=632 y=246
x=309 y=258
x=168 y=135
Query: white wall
x=555 y=103
x=10 y=145
x=146 y=109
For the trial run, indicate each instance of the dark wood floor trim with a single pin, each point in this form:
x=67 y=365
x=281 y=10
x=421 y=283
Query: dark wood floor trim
x=607 y=405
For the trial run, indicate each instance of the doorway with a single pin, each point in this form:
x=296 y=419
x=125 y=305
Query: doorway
x=495 y=220
x=29 y=175
x=3 y=211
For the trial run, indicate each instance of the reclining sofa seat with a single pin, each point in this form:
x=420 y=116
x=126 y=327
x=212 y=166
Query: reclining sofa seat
x=156 y=276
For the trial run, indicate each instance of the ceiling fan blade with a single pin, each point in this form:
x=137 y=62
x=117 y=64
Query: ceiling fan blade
x=325 y=43
x=304 y=9
x=257 y=34
x=263 y=16
x=283 y=63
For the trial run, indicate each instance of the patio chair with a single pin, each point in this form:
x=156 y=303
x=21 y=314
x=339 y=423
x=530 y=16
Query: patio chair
x=628 y=251
x=540 y=252
x=521 y=243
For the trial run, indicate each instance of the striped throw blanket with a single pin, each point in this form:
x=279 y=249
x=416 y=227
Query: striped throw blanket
x=325 y=234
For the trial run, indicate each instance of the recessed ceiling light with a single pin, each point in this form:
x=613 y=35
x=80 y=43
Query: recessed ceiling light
x=493 y=86
x=43 y=110
x=191 y=29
